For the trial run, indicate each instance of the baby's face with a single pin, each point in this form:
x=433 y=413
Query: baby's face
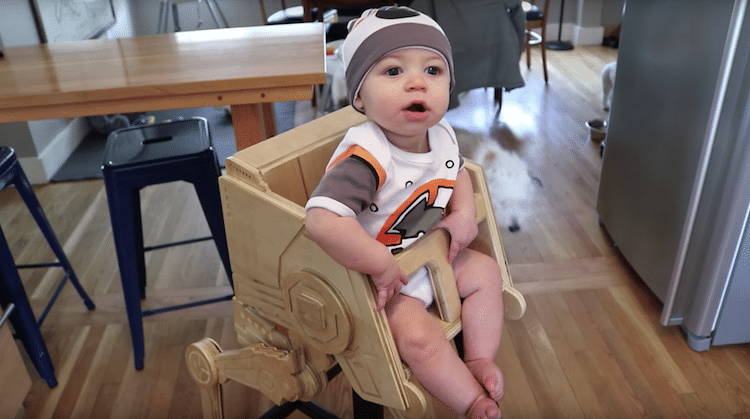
x=406 y=92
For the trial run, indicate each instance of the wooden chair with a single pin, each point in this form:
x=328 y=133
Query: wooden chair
x=299 y=314
x=536 y=18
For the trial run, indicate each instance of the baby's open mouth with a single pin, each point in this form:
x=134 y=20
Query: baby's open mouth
x=416 y=107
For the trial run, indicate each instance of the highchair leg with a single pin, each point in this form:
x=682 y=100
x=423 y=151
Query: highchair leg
x=279 y=375
x=201 y=362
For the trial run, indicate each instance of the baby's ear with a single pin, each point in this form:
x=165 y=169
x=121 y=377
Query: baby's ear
x=358 y=104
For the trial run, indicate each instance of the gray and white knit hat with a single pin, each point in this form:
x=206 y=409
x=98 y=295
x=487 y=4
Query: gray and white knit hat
x=380 y=31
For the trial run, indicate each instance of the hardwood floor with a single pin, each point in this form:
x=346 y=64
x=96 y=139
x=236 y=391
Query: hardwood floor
x=589 y=346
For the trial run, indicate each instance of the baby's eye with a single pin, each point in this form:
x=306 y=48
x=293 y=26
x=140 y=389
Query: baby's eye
x=433 y=70
x=393 y=71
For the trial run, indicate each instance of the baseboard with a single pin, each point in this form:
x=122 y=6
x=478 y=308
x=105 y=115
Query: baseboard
x=588 y=35
x=565 y=35
x=40 y=169
x=576 y=35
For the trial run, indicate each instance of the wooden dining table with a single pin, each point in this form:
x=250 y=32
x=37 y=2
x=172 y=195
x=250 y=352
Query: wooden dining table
x=246 y=68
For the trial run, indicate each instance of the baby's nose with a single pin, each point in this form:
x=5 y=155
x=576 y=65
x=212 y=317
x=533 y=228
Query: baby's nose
x=415 y=81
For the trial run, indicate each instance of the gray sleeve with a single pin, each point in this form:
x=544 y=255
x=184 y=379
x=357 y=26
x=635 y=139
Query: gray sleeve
x=352 y=182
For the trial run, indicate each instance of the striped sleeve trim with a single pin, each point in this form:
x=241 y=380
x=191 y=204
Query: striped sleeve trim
x=364 y=155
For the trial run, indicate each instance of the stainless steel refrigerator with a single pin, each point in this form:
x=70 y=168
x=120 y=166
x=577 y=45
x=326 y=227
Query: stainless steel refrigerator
x=674 y=193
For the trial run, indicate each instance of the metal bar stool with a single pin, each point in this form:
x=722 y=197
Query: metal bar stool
x=12 y=291
x=141 y=156
x=164 y=9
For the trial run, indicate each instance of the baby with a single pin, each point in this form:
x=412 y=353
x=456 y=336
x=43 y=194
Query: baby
x=395 y=178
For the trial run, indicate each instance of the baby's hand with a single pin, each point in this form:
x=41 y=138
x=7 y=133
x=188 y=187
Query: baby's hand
x=388 y=283
x=462 y=228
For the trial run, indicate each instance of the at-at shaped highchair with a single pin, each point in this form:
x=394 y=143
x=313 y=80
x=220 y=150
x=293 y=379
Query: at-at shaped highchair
x=296 y=311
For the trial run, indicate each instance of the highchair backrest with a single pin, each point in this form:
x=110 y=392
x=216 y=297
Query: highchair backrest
x=291 y=296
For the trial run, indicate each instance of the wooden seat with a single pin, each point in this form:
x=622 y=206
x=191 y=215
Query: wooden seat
x=297 y=312
x=536 y=18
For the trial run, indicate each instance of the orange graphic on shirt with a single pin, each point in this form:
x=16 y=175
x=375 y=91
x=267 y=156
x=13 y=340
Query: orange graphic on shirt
x=417 y=214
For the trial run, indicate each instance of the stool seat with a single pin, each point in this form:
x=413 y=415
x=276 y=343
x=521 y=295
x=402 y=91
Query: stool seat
x=6 y=158
x=153 y=144
x=140 y=156
x=12 y=291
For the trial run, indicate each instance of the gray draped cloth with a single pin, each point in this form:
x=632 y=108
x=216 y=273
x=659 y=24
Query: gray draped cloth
x=487 y=40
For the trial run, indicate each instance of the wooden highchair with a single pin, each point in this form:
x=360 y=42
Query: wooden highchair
x=297 y=313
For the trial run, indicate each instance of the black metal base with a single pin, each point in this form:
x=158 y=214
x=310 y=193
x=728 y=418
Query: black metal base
x=362 y=409
x=559 y=45
x=311 y=409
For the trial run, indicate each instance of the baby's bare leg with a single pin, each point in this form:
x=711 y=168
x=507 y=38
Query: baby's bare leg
x=424 y=347
x=480 y=284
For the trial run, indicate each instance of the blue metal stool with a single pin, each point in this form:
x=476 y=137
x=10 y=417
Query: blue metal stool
x=141 y=156
x=11 y=288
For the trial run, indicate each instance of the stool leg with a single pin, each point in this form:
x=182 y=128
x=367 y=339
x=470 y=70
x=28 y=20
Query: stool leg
x=165 y=27
x=207 y=189
x=137 y=243
x=161 y=16
x=32 y=203
x=224 y=23
x=176 y=18
x=125 y=213
x=22 y=318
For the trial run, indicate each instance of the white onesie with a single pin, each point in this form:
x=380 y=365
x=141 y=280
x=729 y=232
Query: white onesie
x=397 y=196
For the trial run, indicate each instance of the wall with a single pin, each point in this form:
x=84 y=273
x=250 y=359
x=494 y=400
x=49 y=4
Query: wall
x=584 y=21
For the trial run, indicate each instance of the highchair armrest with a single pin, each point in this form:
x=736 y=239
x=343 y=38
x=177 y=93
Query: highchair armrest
x=432 y=251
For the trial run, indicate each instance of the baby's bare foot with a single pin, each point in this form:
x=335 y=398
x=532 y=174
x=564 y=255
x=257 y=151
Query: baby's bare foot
x=483 y=408
x=489 y=375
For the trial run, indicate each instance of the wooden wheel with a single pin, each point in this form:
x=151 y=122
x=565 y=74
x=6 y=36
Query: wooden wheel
x=201 y=362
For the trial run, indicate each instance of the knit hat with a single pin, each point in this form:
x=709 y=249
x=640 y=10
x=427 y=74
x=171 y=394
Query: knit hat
x=381 y=31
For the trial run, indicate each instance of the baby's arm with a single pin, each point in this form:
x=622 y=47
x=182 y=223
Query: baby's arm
x=344 y=239
x=461 y=220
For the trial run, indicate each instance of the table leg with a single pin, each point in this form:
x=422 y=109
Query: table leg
x=253 y=123
x=269 y=119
